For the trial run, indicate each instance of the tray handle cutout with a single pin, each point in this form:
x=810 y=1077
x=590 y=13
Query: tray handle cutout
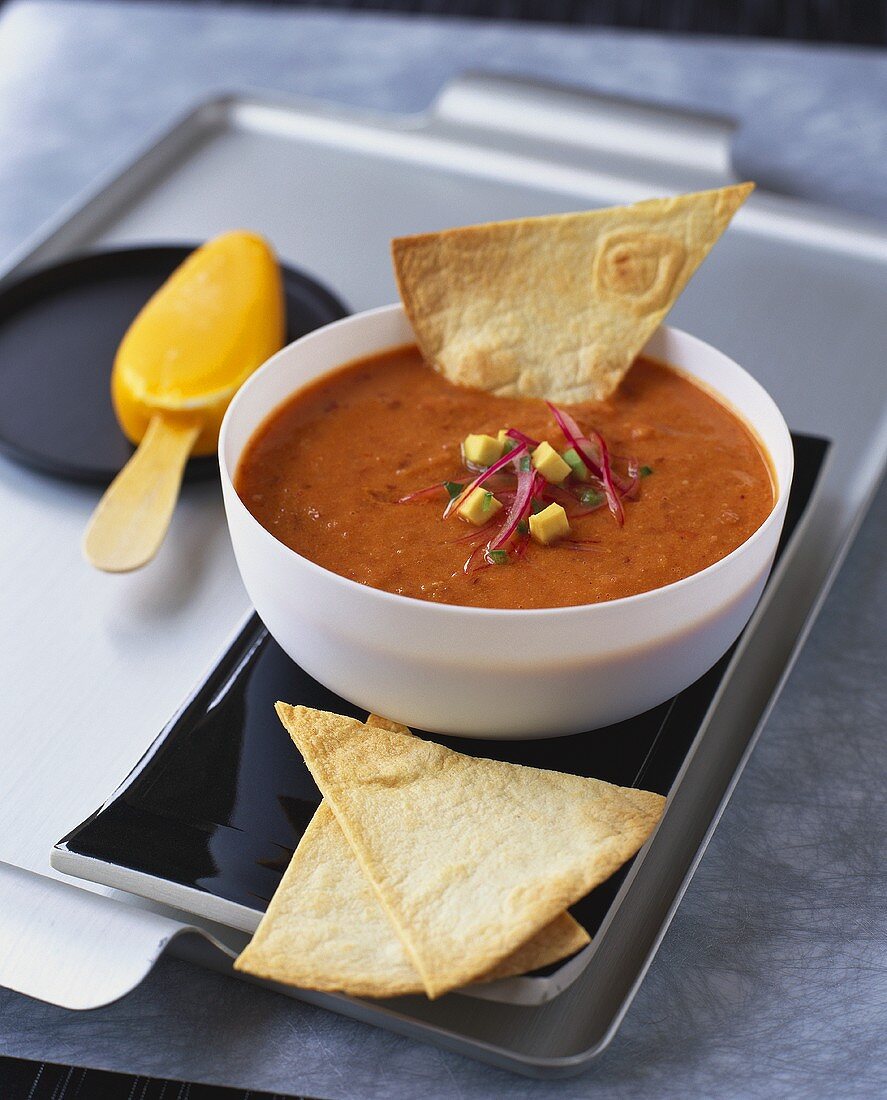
x=585 y=119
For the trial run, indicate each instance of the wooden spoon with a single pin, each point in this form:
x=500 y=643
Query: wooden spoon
x=132 y=518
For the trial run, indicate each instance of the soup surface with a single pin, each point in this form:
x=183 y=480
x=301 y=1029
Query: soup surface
x=326 y=471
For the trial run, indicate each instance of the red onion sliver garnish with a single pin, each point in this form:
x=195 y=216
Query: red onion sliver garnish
x=621 y=483
x=478 y=533
x=585 y=448
x=569 y=499
x=523 y=499
x=613 y=498
x=559 y=495
x=631 y=487
x=519 y=450
x=469 y=567
x=576 y=439
x=420 y=494
x=522 y=437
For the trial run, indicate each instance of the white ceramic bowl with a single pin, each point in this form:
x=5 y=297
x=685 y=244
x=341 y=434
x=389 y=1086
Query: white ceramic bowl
x=495 y=673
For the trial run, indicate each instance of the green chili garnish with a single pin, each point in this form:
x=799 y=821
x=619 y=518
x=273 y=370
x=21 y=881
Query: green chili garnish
x=487 y=502
x=645 y=471
x=525 y=463
x=523 y=527
x=590 y=498
x=498 y=557
x=453 y=488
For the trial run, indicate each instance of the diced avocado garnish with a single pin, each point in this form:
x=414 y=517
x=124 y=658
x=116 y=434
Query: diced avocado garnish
x=481 y=450
x=508 y=444
x=550 y=464
x=577 y=466
x=472 y=508
x=549 y=525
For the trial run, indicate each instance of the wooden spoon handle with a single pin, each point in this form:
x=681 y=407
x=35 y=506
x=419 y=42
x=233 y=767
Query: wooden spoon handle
x=132 y=518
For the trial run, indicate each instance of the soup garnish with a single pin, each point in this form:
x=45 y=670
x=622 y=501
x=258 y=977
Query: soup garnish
x=538 y=489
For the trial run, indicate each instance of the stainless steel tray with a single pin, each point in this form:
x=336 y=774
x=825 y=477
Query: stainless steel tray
x=217 y=848
x=793 y=293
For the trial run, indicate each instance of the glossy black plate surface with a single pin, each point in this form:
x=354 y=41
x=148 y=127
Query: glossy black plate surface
x=60 y=328
x=219 y=802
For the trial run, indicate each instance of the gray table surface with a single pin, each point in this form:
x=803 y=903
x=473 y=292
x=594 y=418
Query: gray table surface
x=771 y=980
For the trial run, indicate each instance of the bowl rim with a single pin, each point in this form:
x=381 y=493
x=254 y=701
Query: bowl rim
x=783 y=485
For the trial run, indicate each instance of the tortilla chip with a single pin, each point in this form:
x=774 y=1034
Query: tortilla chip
x=325 y=928
x=469 y=857
x=555 y=307
x=378 y=722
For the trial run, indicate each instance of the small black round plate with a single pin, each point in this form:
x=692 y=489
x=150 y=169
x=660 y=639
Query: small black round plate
x=59 y=330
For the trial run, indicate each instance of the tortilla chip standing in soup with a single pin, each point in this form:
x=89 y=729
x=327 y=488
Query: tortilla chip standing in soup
x=643 y=480
x=328 y=473
x=556 y=306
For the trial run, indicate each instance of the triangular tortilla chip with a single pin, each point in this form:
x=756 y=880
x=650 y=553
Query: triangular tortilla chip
x=469 y=857
x=560 y=306
x=326 y=929
x=378 y=722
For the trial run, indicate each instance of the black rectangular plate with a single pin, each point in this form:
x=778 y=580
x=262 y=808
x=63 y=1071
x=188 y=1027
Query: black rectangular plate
x=220 y=800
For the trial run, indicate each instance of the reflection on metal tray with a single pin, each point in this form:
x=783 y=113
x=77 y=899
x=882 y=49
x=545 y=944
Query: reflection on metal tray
x=209 y=819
